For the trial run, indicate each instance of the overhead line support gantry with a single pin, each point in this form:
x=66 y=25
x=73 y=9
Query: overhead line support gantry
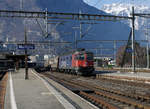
x=69 y=16
x=57 y=15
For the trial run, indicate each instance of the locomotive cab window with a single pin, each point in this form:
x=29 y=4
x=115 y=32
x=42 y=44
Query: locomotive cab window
x=89 y=56
x=81 y=57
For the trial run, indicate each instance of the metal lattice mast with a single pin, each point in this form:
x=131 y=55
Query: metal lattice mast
x=133 y=38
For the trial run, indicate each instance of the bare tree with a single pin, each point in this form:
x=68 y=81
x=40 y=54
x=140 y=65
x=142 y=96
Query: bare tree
x=140 y=56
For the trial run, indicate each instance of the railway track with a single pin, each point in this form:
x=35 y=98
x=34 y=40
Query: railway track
x=136 y=79
x=123 y=69
x=129 y=84
x=101 y=96
x=3 y=82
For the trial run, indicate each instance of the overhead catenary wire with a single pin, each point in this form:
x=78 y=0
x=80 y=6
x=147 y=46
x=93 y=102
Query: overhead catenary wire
x=118 y=2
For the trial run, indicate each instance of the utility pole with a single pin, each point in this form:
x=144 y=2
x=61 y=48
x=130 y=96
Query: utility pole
x=115 y=50
x=147 y=48
x=46 y=22
x=21 y=5
x=80 y=28
x=133 y=38
x=101 y=47
x=75 y=36
x=26 y=56
x=147 y=53
x=96 y=52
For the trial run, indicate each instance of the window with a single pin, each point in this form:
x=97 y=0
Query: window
x=89 y=56
x=81 y=56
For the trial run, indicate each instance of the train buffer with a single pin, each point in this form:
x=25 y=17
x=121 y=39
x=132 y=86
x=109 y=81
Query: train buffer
x=40 y=93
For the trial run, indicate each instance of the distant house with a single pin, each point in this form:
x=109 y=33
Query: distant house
x=103 y=61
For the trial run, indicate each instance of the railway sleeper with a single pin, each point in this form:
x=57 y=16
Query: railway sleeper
x=123 y=100
x=75 y=88
x=139 y=84
x=138 y=97
x=97 y=101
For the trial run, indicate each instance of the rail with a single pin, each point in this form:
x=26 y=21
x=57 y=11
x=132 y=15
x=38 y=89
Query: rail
x=101 y=93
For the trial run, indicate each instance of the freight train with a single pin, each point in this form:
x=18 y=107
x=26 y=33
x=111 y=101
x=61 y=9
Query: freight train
x=78 y=62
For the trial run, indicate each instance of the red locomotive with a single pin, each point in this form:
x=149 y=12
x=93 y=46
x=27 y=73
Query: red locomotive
x=82 y=62
x=78 y=62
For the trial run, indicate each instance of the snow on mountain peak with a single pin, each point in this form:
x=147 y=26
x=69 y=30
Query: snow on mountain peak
x=118 y=9
x=126 y=10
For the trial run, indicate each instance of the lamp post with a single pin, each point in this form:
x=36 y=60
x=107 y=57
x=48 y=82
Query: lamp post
x=26 y=56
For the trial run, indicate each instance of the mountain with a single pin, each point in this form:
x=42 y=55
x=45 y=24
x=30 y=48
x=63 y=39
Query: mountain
x=13 y=29
x=126 y=10
x=102 y=31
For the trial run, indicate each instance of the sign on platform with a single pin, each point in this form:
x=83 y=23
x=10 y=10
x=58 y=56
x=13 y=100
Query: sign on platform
x=129 y=50
x=26 y=46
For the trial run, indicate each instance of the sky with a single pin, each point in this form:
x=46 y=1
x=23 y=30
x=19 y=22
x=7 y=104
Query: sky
x=100 y=3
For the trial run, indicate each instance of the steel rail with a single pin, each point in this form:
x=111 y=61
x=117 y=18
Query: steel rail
x=147 y=98
x=97 y=100
x=124 y=100
x=119 y=97
x=121 y=94
x=129 y=80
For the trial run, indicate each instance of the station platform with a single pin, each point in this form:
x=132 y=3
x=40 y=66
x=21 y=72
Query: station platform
x=40 y=93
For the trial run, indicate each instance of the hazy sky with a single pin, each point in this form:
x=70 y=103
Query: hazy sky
x=100 y=3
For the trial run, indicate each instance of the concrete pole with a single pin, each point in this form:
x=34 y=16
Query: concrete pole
x=101 y=47
x=21 y=5
x=96 y=52
x=133 y=38
x=147 y=50
x=80 y=30
x=75 y=37
x=115 y=50
x=46 y=22
x=80 y=27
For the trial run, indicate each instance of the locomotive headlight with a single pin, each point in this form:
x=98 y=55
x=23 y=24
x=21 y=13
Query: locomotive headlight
x=86 y=63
